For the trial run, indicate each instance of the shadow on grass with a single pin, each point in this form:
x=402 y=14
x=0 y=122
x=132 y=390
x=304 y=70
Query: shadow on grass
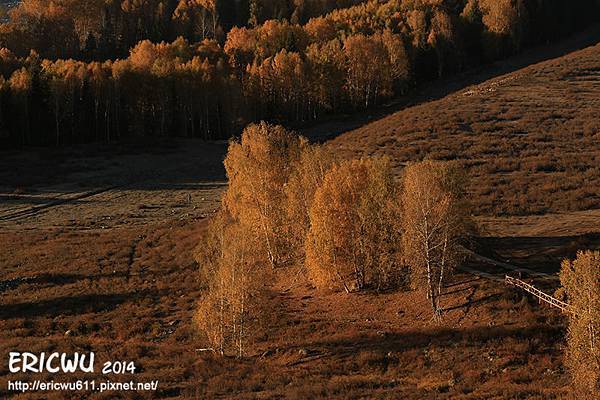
x=73 y=305
x=543 y=254
x=55 y=279
x=431 y=91
x=471 y=303
x=440 y=337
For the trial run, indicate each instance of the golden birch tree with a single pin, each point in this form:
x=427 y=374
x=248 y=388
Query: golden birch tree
x=354 y=237
x=258 y=167
x=581 y=282
x=307 y=176
x=234 y=279
x=435 y=218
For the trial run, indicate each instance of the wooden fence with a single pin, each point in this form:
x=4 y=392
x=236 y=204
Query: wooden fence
x=538 y=293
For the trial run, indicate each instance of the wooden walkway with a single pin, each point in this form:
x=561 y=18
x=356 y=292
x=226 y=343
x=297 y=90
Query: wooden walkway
x=509 y=280
x=538 y=293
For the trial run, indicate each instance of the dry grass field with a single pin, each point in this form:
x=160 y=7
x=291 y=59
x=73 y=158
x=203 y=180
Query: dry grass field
x=529 y=139
x=96 y=256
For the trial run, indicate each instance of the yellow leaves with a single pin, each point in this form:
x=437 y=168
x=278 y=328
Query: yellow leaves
x=321 y=30
x=258 y=167
x=20 y=81
x=247 y=235
x=499 y=15
x=435 y=218
x=164 y=60
x=65 y=75
x=233 y=276
x=345 y=219
x=354 y=240
x=442 y=29
x=100 y=74
x=287 y=201
x=396 y=52
x=581 y=281
x=369 y=72
x=143 y=55
x=240 y=46
x=160 y=58
x=186 y=9
x=245 y=46
x=279 y=79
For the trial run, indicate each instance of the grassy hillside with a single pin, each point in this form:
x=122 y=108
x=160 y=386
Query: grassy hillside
x=530 y=139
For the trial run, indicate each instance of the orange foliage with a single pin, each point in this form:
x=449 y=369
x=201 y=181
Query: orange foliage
x=581 y=281
x=435 y=219
x=258 y=167
x=354 y=237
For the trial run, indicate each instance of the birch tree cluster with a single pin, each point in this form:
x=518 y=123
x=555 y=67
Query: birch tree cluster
x=292 y=208
x=250 y=236
x=354 y=238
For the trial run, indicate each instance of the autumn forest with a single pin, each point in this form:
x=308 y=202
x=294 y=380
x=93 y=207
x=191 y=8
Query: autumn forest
x=79 y=71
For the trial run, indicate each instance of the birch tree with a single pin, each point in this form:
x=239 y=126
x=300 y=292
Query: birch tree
x=435 y=218
x=233 y=277
x=368 y=73
x=307 y=176
x=258 y=167
x=354 y=238
x=20 y=83
x=581 y=281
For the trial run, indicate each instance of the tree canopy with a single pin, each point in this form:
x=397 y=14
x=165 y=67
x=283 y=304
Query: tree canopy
x=113 y=69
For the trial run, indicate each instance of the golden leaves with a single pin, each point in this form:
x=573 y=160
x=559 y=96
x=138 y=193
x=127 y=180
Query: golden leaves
x=581 y=281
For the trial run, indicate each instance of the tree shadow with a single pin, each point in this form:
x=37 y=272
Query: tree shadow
x=73 y=305
x=55 y=279
x=453 y=284
x=442 y=337
x=542 y=254
x=470 y=303
x=464 y=289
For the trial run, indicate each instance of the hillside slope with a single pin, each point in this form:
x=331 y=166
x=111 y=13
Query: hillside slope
x=529 y=139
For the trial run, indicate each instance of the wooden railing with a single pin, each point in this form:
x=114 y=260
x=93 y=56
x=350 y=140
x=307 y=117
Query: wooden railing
x=538 y=293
